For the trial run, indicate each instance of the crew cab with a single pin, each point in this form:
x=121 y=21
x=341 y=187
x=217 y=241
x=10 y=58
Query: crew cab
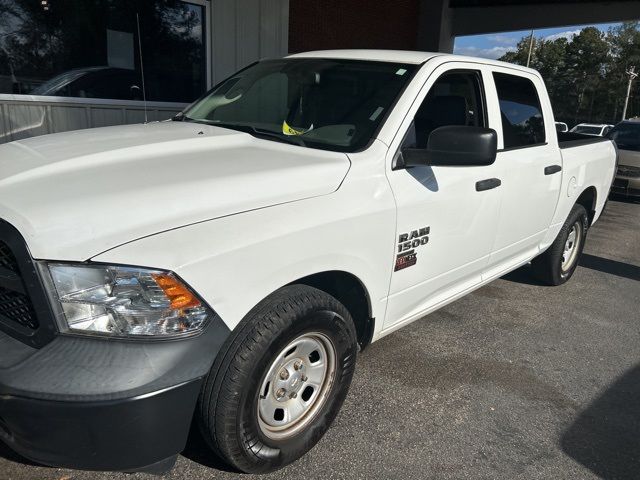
x=225 y=267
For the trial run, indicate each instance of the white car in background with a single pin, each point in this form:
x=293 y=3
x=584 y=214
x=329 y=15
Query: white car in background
x=594 y=129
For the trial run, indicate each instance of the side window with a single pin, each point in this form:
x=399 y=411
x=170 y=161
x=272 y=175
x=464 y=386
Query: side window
x=456 y=98
x=522 y=122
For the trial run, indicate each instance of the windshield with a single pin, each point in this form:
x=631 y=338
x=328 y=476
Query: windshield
x=626 y=135
x=319 y=103
x=587 y=130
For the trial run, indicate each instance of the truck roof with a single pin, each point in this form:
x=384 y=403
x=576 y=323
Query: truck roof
x=402 y=56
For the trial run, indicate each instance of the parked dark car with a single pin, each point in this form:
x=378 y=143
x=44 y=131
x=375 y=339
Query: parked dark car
x=94 y=82
x=627 y=137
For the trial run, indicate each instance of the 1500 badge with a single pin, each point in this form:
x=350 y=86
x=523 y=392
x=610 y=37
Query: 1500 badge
x=407 y=244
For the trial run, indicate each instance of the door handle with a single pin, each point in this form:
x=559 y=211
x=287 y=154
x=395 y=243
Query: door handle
x=487 y=184
x=551 y=169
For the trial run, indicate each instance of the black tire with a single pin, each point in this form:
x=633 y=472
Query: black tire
x=227 y=410
x=547 y=267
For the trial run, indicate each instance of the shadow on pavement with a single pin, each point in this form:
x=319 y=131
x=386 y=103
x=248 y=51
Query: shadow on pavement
x=612 y=267
x=605 y=437
x=525 y=276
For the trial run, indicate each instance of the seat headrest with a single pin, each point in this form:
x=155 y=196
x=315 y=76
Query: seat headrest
x=444 y=110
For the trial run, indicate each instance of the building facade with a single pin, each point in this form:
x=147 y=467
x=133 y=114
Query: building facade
x=71 y=64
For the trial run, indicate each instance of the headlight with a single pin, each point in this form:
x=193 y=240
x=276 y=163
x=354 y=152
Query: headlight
x=125 y=301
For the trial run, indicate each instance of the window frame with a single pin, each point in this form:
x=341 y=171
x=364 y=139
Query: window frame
x=534 y=83
x=420 y=99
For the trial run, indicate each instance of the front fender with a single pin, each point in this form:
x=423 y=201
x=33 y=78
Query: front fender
x=234 y=262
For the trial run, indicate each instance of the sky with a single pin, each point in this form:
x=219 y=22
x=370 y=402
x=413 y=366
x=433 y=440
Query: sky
x=494 y=45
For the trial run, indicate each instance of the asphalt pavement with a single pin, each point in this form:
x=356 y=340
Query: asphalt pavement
x=514 y=381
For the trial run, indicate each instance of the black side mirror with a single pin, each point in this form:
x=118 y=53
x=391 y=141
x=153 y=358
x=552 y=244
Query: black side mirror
x=455 y=146
x=136 y=92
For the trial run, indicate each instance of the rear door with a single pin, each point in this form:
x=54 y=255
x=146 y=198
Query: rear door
x=529 y=163
x=445 y=227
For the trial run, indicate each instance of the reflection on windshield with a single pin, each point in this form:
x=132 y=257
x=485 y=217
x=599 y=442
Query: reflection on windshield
x=329 y=104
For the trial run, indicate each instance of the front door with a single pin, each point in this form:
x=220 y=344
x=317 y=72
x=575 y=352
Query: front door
x=445 y=226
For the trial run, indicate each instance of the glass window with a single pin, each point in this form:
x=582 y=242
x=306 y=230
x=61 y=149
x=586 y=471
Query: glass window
x=522 y=122
x=454 y=99
x=320 y=103
x=76 y=48
x=587 y=130
x=626 y=135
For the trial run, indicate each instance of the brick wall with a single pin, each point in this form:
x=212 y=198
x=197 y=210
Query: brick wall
x=327 y=24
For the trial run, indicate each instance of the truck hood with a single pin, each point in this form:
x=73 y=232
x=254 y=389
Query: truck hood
x=73 y=195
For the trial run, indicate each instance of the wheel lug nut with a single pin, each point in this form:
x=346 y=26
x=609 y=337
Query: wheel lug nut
x=284 y=374
x=281 y=392
x=293 y=395
x=303 y=378
x=297 y=365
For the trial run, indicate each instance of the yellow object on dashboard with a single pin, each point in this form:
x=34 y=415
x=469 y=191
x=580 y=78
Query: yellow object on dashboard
x=287 y=130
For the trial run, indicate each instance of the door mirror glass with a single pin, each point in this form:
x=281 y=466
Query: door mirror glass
x=455 y=146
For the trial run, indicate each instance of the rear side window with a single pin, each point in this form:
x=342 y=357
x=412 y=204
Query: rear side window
x=522 y=122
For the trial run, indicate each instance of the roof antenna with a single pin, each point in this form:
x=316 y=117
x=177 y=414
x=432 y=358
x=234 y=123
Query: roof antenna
x=144 y=89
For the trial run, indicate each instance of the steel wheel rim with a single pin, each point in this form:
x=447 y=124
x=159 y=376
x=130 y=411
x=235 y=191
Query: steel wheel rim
x=571 y=246
x=296 y=385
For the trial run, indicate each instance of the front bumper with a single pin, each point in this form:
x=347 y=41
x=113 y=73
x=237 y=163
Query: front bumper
x=627 y=186
x=129 y=434
x=90 y=402
x=627 y=180
x=98 y=404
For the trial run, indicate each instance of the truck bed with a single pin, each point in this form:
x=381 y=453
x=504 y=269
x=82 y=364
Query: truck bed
x=572 y=139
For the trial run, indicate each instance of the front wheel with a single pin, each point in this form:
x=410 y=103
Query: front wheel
x=280 y=382
x=557 y=264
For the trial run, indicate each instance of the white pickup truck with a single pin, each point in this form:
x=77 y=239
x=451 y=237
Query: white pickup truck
x=228 y=265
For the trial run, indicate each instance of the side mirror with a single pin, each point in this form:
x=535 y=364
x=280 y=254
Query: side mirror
x=455 y=146
x=136 y=92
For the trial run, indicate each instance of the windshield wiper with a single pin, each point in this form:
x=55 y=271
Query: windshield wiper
x=256 y=132
x=292 y=139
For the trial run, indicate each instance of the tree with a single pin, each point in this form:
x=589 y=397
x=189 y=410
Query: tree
x=585 y=74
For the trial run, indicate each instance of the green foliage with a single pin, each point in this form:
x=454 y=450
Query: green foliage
x=586 y=75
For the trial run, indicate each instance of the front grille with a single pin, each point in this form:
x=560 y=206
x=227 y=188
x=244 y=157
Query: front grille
x=15 y=304
x=7 y=258
x=628 y=171
x=25 y=311
x=17 y=308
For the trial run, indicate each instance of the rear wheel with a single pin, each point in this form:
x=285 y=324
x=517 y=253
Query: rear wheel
x=283 y=377
x=557 y=264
